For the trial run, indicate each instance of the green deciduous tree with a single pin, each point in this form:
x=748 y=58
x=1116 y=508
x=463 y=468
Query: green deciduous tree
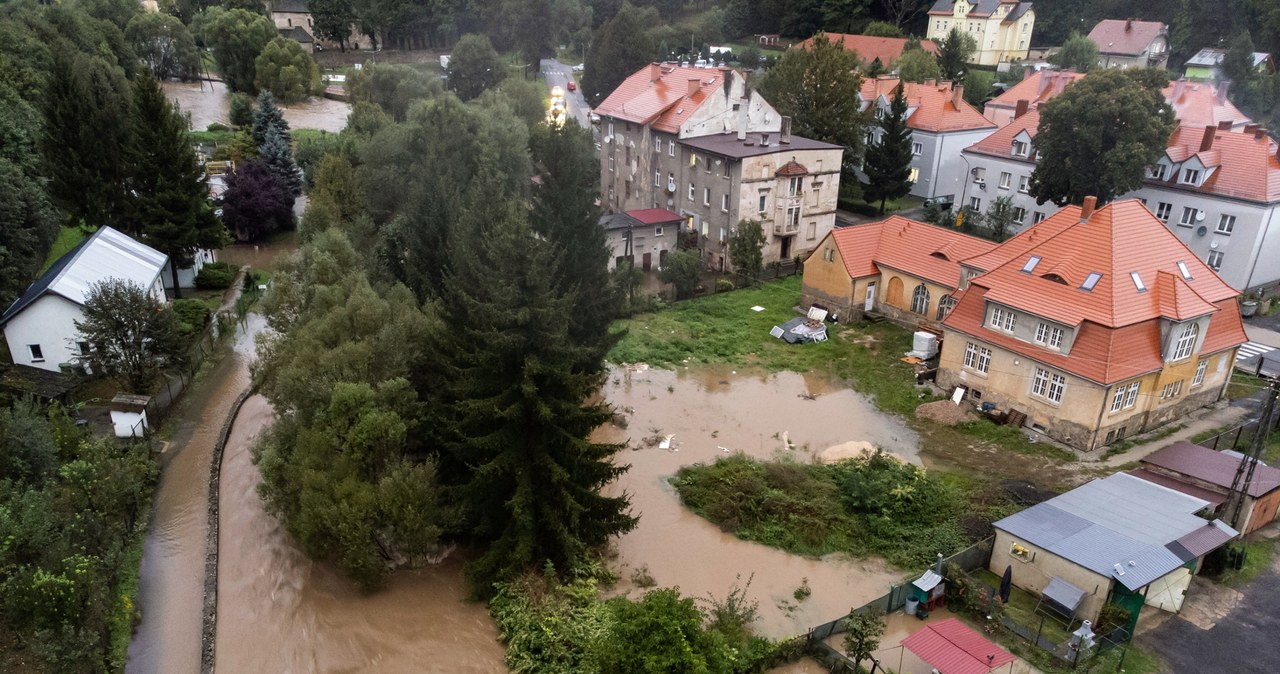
x=882 y=29
x=658 y=634
x=133 y=335
x=256 y=202
x=333 y=19
x=978 y=86
x=999 y=218
x=619 y=48
x=28 y=226
x=511 y=404
x=1099 y=136
x=812 y=86
x=288 y=71
x=86 y=112
x=862 y=636
x=474 y=67
x=746 y=249
x=164 y=45
x=683 y=270
x=917 y=65
x=954 y=53
x=240 y=111
x=1078 y=53
x=888 y=162
x=236 y=36
x=167 y=185
x=1237 y=63
x=394 y=88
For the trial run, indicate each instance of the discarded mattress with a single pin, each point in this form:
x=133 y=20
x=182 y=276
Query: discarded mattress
x=800 y=330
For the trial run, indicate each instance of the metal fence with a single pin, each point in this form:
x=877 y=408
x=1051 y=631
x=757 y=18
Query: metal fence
x=1241 y=436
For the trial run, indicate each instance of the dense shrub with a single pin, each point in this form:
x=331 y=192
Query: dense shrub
x=724 y=285
x=192 y=315
x=215 y=276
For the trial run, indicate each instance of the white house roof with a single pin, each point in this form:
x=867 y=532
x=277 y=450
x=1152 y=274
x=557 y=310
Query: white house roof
x=106 y=254
x=1121 y=527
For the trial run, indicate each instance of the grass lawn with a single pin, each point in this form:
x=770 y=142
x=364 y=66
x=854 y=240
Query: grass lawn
x=67 y=239
x=1258 y=559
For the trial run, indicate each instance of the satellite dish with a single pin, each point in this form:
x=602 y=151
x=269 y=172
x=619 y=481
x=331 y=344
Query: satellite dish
x=1202 y=230
x=1213 y=245
x=1199 y=216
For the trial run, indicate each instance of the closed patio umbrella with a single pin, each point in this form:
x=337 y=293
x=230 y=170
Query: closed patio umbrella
x=1006 y=584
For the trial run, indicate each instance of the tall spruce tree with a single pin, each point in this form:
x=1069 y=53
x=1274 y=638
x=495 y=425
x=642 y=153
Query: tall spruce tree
x=166 y=183
x=888 y=162
x=278 y=156
x=268 y=116
x=565 y=212
x=87 y=131
x=509 y=401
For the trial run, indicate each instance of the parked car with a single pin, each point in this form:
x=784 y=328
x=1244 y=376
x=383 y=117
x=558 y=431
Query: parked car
x=579 y=68
x=573 y=86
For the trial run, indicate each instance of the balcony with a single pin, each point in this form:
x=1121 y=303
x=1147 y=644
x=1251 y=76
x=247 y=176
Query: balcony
x=786 y=228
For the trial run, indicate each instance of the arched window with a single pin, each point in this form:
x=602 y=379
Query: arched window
x=920 y=300
x=1186 y=341
x=945 y=304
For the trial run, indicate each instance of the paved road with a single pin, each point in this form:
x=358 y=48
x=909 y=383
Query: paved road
x=1242 y=642
x=558 y=74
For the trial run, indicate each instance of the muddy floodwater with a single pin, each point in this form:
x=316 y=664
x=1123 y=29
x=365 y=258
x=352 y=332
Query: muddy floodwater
x=709 y=411
x=209 y=102
x=278 y=611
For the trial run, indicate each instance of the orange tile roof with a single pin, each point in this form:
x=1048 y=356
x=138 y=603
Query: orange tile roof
x=870 y=48
x=1247 y=165
x=1194 y=103
x=1119 y=326
x=935 y=107
x=1000 y=143
x=1120 y=36
x=917 y=248
x=658 y=95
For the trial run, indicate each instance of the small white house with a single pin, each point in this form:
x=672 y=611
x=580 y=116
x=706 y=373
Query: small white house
x=40 y=325
x=187 y=275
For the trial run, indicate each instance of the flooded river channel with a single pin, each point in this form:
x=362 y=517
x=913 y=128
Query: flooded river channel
x=709 y=411
x=209 y=102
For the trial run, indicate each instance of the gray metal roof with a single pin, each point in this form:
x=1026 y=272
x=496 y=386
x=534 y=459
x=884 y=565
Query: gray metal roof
x=1064 y=593
x=1121 y=527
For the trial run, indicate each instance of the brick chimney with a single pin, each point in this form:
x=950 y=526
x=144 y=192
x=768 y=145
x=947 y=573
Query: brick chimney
x=1128 y=25
x=1046 y=78
x=1225 y=125
x=727 y=73
x=1206 y=142
x=1086 y=209
x=1021 y=109
x=1248 y=128
x=1260 y=134
x=1223 y=87
x=655 y=72
x=785 y=136
x=1027 y=72
x=694 y=86
x=957 y=95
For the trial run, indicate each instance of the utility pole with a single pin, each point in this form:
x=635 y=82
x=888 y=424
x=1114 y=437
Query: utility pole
x=1244 y=472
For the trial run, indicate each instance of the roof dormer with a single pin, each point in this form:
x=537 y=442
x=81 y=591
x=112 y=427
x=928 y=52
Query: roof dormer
x=1192 y=172
x=1021 y=145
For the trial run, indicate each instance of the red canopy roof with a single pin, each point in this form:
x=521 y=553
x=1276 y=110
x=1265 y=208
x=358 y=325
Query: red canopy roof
x=951 y=647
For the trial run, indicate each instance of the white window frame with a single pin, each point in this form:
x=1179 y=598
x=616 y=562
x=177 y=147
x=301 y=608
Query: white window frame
x=671 y=148
x=692 y=191
x=657 y=179
x=1171 y=390
x=1226 y=224
x=37 y=353
x=1200 y=370
x=1055 y=338
x=793 y=216
x=1049 y=385
x=795 y=185
x=1024 y=184
x=724 y=203
x=1037 y=217
x=1186 y=343
x=917 y=149
x=1020 y=149
x=1164 y=210
x=706 y=196
x=1042 y=333
x=1019 y=214
x=920 y=292
x=657 y=145
x=1159 y=171
x=1215 y=260
x=1006 y=180
x=764 y=202
x=1190 y=177
x=1189 y=216
x=657 y=231
x=975 y=203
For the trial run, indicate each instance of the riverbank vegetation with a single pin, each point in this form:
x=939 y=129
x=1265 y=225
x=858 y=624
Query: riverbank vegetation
x=872 y=506
x=73 y=513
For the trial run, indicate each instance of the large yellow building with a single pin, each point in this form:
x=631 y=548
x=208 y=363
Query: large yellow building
x=1001 y=28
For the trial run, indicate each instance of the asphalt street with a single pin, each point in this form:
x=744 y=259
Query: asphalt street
x=559 y=74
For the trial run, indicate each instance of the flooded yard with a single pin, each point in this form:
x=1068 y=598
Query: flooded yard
x=209 y=102
x=712 y=412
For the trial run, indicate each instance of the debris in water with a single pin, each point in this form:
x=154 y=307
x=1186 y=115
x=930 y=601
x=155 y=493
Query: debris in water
x=807 y=396
x=723 y=449
x=666 y=442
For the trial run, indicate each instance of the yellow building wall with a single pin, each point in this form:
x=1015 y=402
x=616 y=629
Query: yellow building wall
x=827 y=282
x=909 y=283
x=1035 y=574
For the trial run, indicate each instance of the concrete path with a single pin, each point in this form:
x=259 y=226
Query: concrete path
x=1204 y=420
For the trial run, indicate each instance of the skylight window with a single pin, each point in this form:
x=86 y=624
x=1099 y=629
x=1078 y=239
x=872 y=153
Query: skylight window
x=1137 y=282
x=1182 y=267
x=1090 y=281
x=1030 y=266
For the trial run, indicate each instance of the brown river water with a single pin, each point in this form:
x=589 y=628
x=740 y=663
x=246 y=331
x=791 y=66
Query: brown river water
x=208 y=102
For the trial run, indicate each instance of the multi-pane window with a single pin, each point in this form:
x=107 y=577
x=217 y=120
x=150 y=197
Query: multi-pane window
x=1055 y=338
x=945 y=305
x=1226 y=224
x=1131 y=397
x=1171 y=390
x=1190 y=177
x=1163 y=210
x=671 y=148
x=1019 y=214
x=1048 y=385
x=1006 y=179
x=977 y=358
x=706 y=196
x=1024 y=184
x=829 y=254
x=1125 y=397
x=1003 y=319
x=1019 y=148
x=657 y=146
x=1186 y=341
x=764 y=201
x=724 y=203
x=1189 y=216
x=1049 y=336
x=691 y=191
x=1037 y=217
x=1158 y=171
x=1199 y=378
x=975 y=203
x=917 y=149
x=920 y=299
x=657 y=179
x=1215 y=260
x=793 y=216
x=793 y=186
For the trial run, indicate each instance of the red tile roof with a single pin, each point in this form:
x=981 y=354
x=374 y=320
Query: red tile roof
x=1246 y=165
x=658 y=95
x=1128 y=37
x=1194 y=103
x=936 y=108
x=1037 y=88
x=1118 y=333
x=1211 y=466
x=917 y=248
x=655 y=216
x=950 y=646
x=1000 y=143
x=792 y=168
x=870 y=48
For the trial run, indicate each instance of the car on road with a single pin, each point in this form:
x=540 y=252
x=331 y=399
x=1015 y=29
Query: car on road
x=579 y=68
x=572 y=86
